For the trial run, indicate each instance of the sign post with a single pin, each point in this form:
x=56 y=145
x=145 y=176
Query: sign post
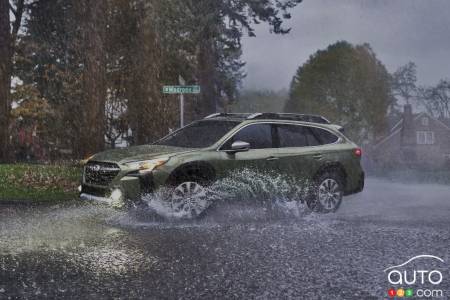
x=182 y=83
x=181 y=90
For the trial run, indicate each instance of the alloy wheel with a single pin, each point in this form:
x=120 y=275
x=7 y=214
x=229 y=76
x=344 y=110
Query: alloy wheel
x=330 y=194
x=189 y=199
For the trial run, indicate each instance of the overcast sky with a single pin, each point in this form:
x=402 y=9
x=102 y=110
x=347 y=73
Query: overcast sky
x=398 y=31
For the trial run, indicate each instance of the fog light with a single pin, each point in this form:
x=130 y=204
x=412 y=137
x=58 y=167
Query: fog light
x=117 y=198
x=116 y=195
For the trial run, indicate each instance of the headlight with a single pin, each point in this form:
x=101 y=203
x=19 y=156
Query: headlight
x=85 y=161
x=146 y=166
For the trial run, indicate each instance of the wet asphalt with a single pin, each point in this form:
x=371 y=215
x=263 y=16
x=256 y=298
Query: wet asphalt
x=85 y=251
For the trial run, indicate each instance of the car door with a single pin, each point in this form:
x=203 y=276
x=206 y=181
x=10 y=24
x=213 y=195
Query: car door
x=299 y=154
x=260 y=156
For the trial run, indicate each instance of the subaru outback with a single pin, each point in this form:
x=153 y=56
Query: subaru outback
x=191 y=158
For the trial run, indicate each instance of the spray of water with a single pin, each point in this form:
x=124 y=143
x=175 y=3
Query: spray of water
x=275 y=193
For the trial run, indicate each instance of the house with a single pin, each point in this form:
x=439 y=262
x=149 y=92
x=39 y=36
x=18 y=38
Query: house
x=414 y=141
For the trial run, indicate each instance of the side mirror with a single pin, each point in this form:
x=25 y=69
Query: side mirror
x=239 y=146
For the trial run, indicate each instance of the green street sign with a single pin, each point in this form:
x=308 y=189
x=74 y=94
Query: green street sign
x=181 y=89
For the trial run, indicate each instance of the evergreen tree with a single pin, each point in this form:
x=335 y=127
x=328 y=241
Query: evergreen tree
x=93 y=30
x=5 y=77
x=51 y=59
x=8 y=37
x=100 y=65
x=220 y=26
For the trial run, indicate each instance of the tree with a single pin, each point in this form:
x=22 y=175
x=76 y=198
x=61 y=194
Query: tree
x=260 y=101
x=8 y=35
x=30 y=114
x=93 y=30
x=100 y=65
x=219 y=28
x=5 y=77
x=51 y=58
x=157 y=56
x=436 y=99
x=348 y=85
x=404 y=82
x=63 y=54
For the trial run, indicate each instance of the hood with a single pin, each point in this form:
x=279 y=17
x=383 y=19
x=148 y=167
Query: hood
x=136 y=153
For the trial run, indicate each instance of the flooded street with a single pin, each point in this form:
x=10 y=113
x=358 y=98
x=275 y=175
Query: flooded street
x=92 y=252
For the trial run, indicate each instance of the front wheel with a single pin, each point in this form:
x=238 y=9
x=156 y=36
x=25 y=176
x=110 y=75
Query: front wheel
x=188 y=200
x=328 y=192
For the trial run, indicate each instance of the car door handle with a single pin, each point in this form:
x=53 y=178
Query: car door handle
x=318 y=156
x=272 y=158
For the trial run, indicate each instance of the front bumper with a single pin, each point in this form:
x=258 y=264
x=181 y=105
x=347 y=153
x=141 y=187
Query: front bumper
x=131 y=187
x=114 y=197
x=93 y=198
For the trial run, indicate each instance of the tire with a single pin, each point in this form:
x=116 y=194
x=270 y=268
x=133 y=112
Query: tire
x=188 y=199
x=328 y=192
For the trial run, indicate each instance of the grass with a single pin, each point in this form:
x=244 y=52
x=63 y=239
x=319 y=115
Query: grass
x=38 y=183
x=50 y=183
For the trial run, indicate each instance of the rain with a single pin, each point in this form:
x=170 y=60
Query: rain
x=211 y=149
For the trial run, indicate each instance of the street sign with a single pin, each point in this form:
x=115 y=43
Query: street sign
x=181 y=89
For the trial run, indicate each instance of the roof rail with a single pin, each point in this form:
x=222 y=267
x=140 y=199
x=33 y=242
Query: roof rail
x=238 y=115
x=278 y=116
x=212 y=116
x=254 y=116
x=291 y=116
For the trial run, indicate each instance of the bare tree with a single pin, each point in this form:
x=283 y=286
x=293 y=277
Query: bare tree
x=436 y=99
x=404 y=82
x=8 y=35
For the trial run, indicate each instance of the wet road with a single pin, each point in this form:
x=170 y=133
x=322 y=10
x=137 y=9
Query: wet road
x=78 y=251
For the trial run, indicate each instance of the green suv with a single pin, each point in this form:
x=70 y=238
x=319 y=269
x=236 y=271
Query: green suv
x=186 y=161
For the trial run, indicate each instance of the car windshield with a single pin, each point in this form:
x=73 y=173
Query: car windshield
x=199 y=134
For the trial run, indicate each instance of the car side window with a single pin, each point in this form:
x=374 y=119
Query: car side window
x=324 y=136
x=291 y=136
x=259 y=136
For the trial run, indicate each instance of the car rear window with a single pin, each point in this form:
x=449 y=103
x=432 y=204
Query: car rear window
x=303 y=136
x=199 y=134
x=296 y=136
x=323 y=136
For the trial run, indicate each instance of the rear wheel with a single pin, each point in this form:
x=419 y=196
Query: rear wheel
x=328 y=192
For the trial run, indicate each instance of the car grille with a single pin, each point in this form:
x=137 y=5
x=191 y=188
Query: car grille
x=100 y=173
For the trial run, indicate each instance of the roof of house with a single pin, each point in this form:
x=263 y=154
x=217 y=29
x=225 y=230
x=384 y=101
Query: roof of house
x=446 y=121
x=396 y=128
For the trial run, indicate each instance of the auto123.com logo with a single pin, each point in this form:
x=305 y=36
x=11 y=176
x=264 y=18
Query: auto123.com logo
x=410 y=281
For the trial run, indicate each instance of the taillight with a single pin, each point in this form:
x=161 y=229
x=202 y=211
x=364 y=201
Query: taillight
x=358 y=152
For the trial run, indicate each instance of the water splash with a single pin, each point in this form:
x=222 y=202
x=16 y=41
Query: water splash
x=276 y=194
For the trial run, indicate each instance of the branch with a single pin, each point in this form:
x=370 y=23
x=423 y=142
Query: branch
x=12 y=9
x=18 y=21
